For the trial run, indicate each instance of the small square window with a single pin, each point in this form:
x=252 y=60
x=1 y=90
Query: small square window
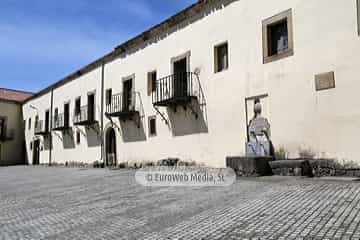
x=108 y=96
x=78 y=137
x=152 y=126
x=221 y=56
x=151 y=82
x=278 y=37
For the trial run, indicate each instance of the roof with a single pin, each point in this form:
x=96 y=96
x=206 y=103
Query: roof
x=14 y=95
x=121 y=49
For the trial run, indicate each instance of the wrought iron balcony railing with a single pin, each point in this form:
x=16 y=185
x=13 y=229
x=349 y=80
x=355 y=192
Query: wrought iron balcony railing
x=176 y=89
x=124 y=105
x=84 y=116
x=41 y=128
x=60 y=122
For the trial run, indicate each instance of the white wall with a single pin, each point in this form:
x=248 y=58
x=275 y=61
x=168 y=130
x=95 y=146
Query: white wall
x=39 y=106
x=66 y=148
x=325 y=39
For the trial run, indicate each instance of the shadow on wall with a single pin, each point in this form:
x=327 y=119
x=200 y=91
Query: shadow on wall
x=133 y=130
x=68 y=139
x=93 y=135
x=184 y=122
x=216 y=6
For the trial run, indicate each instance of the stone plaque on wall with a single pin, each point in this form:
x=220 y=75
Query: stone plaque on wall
x=325 y=81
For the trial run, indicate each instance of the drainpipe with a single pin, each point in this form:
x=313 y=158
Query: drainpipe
x=102 y=112
x=50 y=130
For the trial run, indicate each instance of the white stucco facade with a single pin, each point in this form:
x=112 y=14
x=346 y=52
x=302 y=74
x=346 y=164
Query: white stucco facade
x=327 y=123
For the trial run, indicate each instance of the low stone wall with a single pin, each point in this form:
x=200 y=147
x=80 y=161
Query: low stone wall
x=331 y=167
x=250 y=166
x=292 y=168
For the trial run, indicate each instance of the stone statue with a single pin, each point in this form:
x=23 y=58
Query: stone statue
x=259 y=144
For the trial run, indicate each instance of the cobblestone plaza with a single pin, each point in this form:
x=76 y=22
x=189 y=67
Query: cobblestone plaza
x=63 y=203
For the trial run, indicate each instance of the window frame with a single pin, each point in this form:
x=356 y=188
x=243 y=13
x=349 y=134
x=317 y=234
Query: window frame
x=152 y=118
x=266 y=24
x=216 y=56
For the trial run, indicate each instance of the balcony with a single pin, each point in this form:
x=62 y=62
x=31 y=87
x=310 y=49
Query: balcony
x=41 y=128
x=60 y=123
x=124 y=106
x=176 y=89
x=85 y=116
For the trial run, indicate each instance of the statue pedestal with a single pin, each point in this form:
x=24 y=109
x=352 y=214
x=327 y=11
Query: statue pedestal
x=250 y=166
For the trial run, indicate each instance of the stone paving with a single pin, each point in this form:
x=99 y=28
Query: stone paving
x=60 y=203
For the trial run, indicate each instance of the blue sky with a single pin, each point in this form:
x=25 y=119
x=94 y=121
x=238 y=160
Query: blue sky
x=42 y=41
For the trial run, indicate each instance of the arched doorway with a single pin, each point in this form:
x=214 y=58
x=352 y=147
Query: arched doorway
x=111 y=160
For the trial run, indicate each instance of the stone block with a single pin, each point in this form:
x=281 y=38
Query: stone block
x=325 y=81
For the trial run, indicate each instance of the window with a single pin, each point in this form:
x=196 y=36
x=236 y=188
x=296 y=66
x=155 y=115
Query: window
x=151 y=82
x=29 y=124
x=221 y=58
x=47 y=118
x=2 y=127
x=108 y=96
x=278 y=37
x=91 y=107
x=77 y=106
x=56 y=114
x=31 y=145
x=36 y=121
x=152 y=126
x=66 y=114
x=78 y=137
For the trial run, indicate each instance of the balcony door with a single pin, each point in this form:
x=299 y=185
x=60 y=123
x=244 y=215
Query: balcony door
x=66 y=114
x=127 y=95
x=47 y=121
x=36 y=152
x=180 y=78
x=91 y=107
x=111 y=160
